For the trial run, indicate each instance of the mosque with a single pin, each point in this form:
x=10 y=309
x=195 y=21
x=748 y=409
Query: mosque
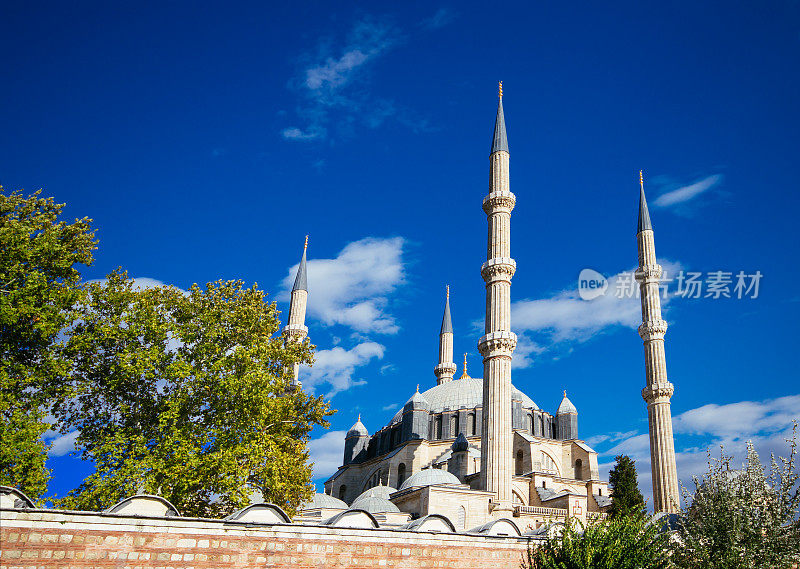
x=475 y=451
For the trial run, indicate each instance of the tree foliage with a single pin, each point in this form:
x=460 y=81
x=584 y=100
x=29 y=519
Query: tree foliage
x=39 y=285
x=185 y=395
x=742 y=518
x=625 y=494
x=632 y=541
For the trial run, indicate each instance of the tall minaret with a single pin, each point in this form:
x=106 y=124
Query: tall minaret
x=295 y=329
x=446 y=368
x=658 y=391
x=498 y=342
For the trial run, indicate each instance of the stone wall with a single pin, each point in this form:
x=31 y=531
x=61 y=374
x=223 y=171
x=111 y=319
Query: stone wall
x=56 y=539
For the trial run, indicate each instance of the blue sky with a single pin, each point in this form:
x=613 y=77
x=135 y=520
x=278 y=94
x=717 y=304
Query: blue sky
x=207 y=141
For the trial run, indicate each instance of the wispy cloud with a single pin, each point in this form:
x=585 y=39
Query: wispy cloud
x=766 y=423
x=328 y=87
x=439 y=19
x=353 y=289
x=326 y=453
x=564 y=317
x=685 y=193
x=336 y=367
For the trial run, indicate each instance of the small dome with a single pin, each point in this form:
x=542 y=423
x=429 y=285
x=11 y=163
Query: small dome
x=374 y=504
x=358 y=430
x=460 y=444
x=566 y=406
x=430 y=477
x=324 y=501
x=378 y=491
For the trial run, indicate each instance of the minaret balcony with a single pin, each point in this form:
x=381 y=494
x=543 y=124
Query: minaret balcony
x=501 y=343
x=653 y=330
x=649 y=273
x=658 y=392
x=498 y=269
x=295 y=330
x=497 y=202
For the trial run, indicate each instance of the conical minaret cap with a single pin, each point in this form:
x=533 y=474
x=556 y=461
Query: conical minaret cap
x=500 y=140
x=644 y=213
x=301 y=280
x=566 y=406
x=447 y=323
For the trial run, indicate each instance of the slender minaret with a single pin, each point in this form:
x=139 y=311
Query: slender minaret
x=295 y=329
x=658 y=390
x=498 y=342
x=446 y=367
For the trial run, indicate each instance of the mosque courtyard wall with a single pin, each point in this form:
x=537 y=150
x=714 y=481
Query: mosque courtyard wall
x=57 y=539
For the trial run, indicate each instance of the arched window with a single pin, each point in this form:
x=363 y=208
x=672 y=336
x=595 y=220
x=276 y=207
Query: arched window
x=454 y=425
x=516 y=498
x=438 y=431
x=548 y=464
x=578 y=469
x=342 y=492
x=401 y=474
x=471 y=426
x=599 y=491
x=530 y=423
x=518 y=469
x=461 y=518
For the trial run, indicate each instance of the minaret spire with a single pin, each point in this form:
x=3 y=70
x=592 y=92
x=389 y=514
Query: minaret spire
x=498 y=343
x=445 y=369
x=658 y=390
x=644 y=213
x=500 y=139
x=295 y=329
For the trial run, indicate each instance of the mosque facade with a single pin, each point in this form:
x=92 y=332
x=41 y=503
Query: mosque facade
x=479 y=450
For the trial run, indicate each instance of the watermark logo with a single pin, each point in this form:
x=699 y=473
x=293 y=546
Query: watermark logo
x=591 y=284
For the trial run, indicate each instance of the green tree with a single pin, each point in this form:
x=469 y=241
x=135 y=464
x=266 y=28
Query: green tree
x=742 y=518
x=625 y=494
x=185 y=395
x=39 y=285
x=632 y=541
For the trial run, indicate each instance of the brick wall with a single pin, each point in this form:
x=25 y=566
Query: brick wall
x=50 y=539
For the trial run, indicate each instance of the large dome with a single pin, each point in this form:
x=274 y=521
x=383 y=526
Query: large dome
x=464 y=393
x=429 y=477
x=324 y=501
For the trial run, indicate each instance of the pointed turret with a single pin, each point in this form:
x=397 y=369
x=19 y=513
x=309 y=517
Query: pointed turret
x=500 y=140
x=567 y=418
x=295 y=329
x=644 y=213
x=355 y=443
x=445 y=369
x=416 y=416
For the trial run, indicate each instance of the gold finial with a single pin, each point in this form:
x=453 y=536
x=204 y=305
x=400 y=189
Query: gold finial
x=500 y=89
x=305 y=245
x=465 y=375
x=448 y=292
x=565 y=393
x=359 y=418
x=641 y=180
x=418 y=388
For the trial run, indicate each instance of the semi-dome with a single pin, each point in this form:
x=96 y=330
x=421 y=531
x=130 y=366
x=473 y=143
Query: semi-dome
x=464 y=393
x=324 y=501
x=374 y=505
x=430 y=477
x=379 y=491
x=566 y=406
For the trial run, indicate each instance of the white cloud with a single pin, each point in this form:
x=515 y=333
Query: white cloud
x=63 y=444
x=741 y=420
x=326 y=453
x=353 y=289
x=336 y=366
x=295 y=133
x=686 y=193
x=565 y=317
x=390 y=407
